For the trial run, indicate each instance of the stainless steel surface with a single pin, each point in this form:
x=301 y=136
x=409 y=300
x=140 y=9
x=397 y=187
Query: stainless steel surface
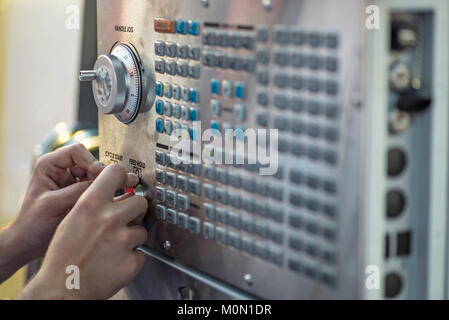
x=88 y=75
x=137 y=141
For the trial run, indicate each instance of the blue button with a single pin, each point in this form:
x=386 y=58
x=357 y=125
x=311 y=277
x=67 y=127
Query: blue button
x=194 y=95
x=215 y=126
x=214 y=86
x=193 y=114
x=159 y=89
x=192 y=133
x=159 y=107
x=159 y=125
x=181 y=26
x=239 y=133
x=194 y=28
x=239 y=90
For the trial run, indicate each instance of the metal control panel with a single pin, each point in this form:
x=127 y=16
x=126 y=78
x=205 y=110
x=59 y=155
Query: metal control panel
x=299 y=67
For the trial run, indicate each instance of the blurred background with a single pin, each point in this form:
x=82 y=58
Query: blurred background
x=40 y=59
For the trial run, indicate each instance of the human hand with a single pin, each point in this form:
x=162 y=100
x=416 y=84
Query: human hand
x=99 y=236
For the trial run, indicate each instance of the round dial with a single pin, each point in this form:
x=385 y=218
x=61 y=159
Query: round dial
x=117 y=83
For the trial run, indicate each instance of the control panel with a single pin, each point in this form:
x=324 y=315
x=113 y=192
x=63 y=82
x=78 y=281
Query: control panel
x=209 y=73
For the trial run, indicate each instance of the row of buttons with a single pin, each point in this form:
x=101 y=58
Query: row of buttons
x=168 y=127
x=313 y=271
x=285 y=35
x=298 y=82
x=173 y=50
x=298 y=126
x=176 y=181
x=299 y=60
x=226 y=88
x=171 y=197
x=176 y=92
x=233 y=40
x=163 y=159
x=231 y=61
x=248 y=224
x=312 y=227
x=179 y=26
x=180 y=219
x=176 y=110
x=182 y=69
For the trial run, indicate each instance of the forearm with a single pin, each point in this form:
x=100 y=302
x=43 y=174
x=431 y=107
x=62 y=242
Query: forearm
x=12 y=253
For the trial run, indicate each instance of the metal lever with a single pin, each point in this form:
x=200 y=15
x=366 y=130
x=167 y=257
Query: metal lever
x=88 y=75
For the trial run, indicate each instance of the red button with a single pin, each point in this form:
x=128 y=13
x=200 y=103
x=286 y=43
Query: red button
x=129 y=190
x=164 y=25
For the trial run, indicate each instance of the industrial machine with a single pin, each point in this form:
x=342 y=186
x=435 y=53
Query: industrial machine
x=357 y=91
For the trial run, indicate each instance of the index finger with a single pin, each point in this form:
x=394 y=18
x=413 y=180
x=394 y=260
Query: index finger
x=111 y=179
x=75 y=155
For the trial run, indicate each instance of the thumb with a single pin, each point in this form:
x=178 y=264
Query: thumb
x=65 y=198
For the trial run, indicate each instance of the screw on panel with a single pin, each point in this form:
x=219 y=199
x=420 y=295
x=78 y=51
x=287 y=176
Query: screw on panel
x=248 y=278
x=267 y=4
x=205 y=3
x=167 y=245
x=399 y=121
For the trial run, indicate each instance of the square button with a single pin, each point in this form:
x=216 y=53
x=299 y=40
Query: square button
x=227 y=88
x=208 y=230
x=194 y=28
x=209 y=191
x=161 y=158
x=159 y=66
x=239 y=90
x=176 y=92
x=209 y=172
x=222 y=175
x=214 y=86
x=248 y=245
x=248 y=224
x=160 y=212
x=181 y=26
x=193 y=114
x=262 y=250
x=171 y=179
x=160 y=193
x=172 y=216
x=221 y=235
x=221 y=195
x=159 y=88
x=160 y=175
x=209 y=211
x=183 y=220
x=222 y=215
x=182 y=183
x=193 y=95
x=159 y=48
x=194 y=225
x=194 y=187
x=183 y=202
x=235 y=220
x=234 y=240
x=171 y=197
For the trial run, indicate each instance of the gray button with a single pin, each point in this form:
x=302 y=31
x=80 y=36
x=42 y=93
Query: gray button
x=172 y=216
x=331 y=64
x=277 y=256
x=281 y=34
x=161 y=158
x=298 y=37
x=330 y=186
x=313 y=181
x=263 y=56
x=182 y=69
x=248 y=205
x=329 y=255
x=295 y=243
x=313 y=152
x=222 y=39
x=160 y=212
x=248 y=245
x=168 y=90
x=182 y=51
x=239 y=112
x=248 y=41
x=314 y=107
x=235 y=220
x=280 y=101
x=262 y=250
x=234 y=240
x=234 y=40
x=297 y=104
x=262 y=119
x=276 y=192
x=296 y=199
x=262 y=229
x=159 y=48
x=235 y=62
x=297 y=126
x=209 y=38
x=249 y=64
x=315 y=39
x=281 y=58
x=194 y=52
x=248 y=224
x=329 y=210
x=194 y=187
x=276 y=235
x=263 y=77
x=311 y=249
x=314 y=85
x=160 y=176
x=183 y=202
x=297 y=148
x=195 y=169
x=183 y=220
x=176 y=110
x=168 y=127
x=328 y=277
x=331 y=134
x=313 y=204
x=209 y=211
x=194 y=225
x=209 y=172
x=276 y=213
x=330 y=156
x=330 y=233
x=209 y=59
x=176 y=92
x=194 y=71
x=234 y=179
x=222 y=175
x=331 y=87
x=262 y=98
x=312 y=227
x=171 y=179
x=221 y=215
x=281 y=80
x=184 y=113
x=222 y=60
x=159 y=66
x=215 y=107
x=171 y=197
x=297 y=82
x=221 y=235
x=332 y=40
x=248 y=184
x=160 y=193
x=170 y=49
x=208 y=230
x=296 y=221
x=295 y=265
x=281 y=123
x=262 y=208
x=314 y=62
x=209 y=191
x=313 y=130
x=170 y=67
x=262 y=33
x=298 y=60
x=222 y=195
x=262 y=188
x=235 y=200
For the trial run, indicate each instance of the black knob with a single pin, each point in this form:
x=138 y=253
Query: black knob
x=414 y=101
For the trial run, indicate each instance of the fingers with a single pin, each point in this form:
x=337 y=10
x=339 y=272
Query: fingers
x=136 y=236
x=75 y=155
x=132 y=208
x=112 y=178
x=66 y=198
